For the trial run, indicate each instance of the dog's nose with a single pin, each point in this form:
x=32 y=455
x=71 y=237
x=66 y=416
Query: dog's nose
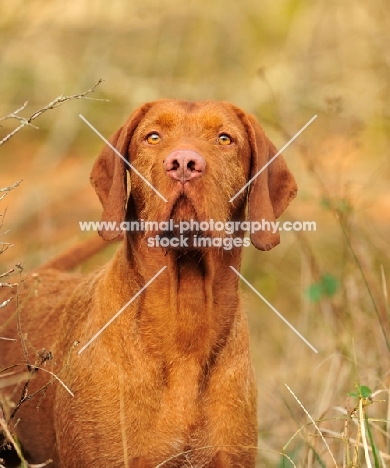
x=184 y=165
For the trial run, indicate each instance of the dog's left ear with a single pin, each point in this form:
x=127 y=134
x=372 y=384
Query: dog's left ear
x=272 y=190
x=108 y=176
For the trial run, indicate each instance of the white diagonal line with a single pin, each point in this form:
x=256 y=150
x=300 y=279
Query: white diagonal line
x=124 y=159
x=272 y=159
x=273 y=308
x=121 y=310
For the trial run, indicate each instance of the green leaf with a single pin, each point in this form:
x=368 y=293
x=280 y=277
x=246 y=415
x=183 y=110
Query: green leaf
x=344 y=206
x=329 y=285
x=314 y=292
x=364 y=392
x=325 y=203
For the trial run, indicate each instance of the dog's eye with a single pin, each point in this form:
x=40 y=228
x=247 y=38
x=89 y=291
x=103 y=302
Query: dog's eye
x=224 y=139
x=153 y=138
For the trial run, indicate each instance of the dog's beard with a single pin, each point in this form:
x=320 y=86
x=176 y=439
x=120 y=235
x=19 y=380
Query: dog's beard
x=185 y=215
x=183 y=211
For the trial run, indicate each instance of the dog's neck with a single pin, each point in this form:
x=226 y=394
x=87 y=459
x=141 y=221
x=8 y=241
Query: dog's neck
x=189 y=309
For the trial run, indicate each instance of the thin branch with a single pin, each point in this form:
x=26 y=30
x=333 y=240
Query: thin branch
x=5 y=303
x=7 y=273
x=55 y=377
x=8 y=189
x=9 y=437
x=8 y=285
x=57 y=102
x=314 y=423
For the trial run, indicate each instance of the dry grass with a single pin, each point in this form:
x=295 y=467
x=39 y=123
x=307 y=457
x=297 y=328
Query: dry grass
x=284 y=61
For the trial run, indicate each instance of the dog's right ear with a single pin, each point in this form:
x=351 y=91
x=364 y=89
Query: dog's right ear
x=108 y=176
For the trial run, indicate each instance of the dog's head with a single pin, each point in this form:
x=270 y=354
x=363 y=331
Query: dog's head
x=197 y=156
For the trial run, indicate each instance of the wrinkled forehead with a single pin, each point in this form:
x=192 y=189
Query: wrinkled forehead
x=193 y=117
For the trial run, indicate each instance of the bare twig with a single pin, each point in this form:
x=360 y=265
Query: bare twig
x=36 y=367
x=5 y=191
x=9 y=437
x=314 y=423
x=57 y=102
x=7 y=273
x=32 y=370
x=4 y=246
x=41 y=465
x=363 y=430
x=55 y=377
x=12 y=441
x=11 y=187
x=4 y=303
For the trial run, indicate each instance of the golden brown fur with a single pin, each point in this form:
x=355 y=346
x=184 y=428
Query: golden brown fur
x=172 y=373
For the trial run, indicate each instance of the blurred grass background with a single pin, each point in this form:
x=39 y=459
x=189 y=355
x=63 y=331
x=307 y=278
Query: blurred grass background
x=284 y=61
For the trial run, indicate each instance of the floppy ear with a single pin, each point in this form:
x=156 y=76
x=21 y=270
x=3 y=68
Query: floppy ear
x=108 y=176
x=272 y=190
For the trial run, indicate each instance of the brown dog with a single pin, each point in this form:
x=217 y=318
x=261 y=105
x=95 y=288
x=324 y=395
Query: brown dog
x=169 y=381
